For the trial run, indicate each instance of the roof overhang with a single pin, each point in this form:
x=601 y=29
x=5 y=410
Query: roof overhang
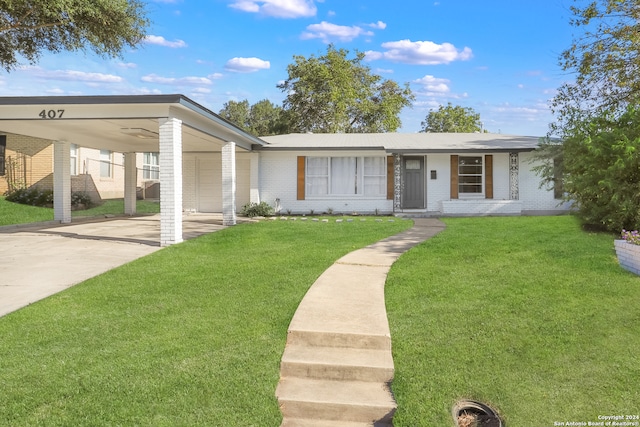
x=123 y=123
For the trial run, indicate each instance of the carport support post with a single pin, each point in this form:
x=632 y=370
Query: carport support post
x=130 y=183
x=62 y=181
x=229 y=184
x=170 y=181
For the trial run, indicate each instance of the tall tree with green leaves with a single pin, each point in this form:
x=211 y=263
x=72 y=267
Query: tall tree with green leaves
x=238 y=113
x=452 y=118
x=333 y=93
x=27 y=28
x=261 y=119
x=605 y=60
x=597 y=116
x=266 y=119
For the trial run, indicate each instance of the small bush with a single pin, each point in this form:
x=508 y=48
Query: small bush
x=35 y=196
x=31 y=196
x=81 y=199
x=257 y=209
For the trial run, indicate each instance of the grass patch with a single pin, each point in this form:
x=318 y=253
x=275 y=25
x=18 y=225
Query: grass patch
x=530 y=315
x=116 y=207
x=16 y=213
x=189 y=335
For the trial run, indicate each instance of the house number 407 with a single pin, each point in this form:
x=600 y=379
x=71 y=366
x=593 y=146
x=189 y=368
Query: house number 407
x=51 y=114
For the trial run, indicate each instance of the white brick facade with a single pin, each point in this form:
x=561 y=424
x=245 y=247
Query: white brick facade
x=170 y=181
x=278 y=180
x=61 y=181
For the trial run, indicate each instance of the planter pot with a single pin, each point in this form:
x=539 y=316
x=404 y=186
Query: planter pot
x=628 y=256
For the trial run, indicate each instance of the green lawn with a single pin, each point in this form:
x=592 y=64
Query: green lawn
x=189 y=335
x=16 y=213
x=116 y=207
x=529 y=314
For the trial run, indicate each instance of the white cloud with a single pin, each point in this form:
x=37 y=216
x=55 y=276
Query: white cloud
x=327 y=31
x=127 y=65
x=378 y=25
x=161 y=41
x=383 y=71
x=146 y=91
x=277 y=8
x=420 y=53
x=73 y=75
x=181 y=81
x=215 y=76
x=434 y=85
x=246 y=65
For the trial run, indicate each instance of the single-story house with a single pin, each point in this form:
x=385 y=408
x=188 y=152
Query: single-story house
x=207 y=164
x=402 y=173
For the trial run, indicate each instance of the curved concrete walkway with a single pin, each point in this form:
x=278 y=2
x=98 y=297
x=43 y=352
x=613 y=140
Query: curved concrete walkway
x=337 y=365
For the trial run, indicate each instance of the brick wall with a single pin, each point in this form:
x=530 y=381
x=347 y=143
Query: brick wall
x=535 y=199
x=35 y=157
x=278 y=180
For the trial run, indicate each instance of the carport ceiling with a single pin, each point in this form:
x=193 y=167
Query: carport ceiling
x=119 y=123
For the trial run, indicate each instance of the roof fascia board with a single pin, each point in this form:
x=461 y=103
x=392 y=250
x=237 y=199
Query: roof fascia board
x=316 y=148
x=460 y=150
x=208 y=125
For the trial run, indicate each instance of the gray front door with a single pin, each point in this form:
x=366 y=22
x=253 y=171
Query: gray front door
x=413 y=194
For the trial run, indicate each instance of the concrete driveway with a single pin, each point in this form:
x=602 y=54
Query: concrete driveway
x=40 y=260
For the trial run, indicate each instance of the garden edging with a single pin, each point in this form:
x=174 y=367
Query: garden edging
x=628 y=256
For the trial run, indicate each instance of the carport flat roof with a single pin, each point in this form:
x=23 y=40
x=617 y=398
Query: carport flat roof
x=123 y=123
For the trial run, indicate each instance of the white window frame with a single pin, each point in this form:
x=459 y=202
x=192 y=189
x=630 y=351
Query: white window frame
x=315 y=173
x=106 y=164
x=151 y=166
x=465 y=194
x=73 y=162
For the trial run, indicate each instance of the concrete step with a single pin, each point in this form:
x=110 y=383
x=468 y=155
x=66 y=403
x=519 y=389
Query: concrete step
x=354 y=401
x=331 y=363
x=324 y=338
x=296 y=422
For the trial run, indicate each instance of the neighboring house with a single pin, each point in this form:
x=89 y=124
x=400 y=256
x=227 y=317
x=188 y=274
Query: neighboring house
x=28 y=161
x=419 y=173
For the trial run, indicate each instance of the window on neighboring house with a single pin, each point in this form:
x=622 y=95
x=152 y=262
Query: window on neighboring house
x=470 y=175
x=346 y=176
x=105 y=163
x=3 y=149
x=151 y=166
x=74 y=159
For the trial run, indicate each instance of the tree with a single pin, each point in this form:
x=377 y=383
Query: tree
x=262 y=118
x=602 y=170
x=237 y=113
x=596 y=117
x=333 y=94
x=267 y=118
x=606 y=63
x=27 y=28
x=451 y=118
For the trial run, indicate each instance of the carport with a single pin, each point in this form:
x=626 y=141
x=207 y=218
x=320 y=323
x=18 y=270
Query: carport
x=169 y=124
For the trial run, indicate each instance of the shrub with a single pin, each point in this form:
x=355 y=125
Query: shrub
x=35 y=196
x=81 y=199
x=257 y=209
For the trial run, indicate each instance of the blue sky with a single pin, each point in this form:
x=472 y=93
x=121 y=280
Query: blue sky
x=499 y=57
